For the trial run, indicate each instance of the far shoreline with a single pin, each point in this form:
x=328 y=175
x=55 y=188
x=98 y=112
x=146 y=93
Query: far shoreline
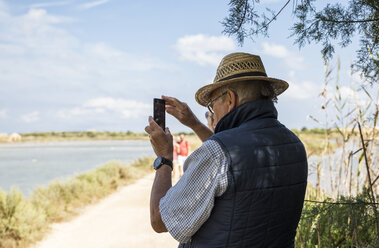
x=61 y=136
x=73 y=139
x=58 y=136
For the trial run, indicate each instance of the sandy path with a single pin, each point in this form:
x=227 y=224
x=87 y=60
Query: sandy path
x=118 y=221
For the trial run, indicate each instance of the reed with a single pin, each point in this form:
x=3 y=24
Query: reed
x=347 y=215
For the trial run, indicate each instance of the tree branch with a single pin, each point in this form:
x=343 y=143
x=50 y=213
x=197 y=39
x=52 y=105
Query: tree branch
x=343 y=203
x=375 y=180
x=285 y=5
x=244 y=16
x=349 y=21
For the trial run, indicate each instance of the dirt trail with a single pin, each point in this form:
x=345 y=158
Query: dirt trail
x=118 y=221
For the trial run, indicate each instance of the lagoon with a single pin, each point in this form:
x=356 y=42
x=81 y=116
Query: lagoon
x=32 y=164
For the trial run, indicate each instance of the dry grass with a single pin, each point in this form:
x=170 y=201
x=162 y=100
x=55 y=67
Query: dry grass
x=315 y=143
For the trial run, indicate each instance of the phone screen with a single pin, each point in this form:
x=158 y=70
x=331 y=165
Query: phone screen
x=159 y=112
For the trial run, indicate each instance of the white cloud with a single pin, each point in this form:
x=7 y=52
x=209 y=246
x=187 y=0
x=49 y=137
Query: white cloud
x=41 y=59
x=38 y=16
x=354 y=97
x=3 y=113
x=89 y=5
x=112 y=60
x=34 y=48
x=353 y=94
x=356 y=77
x=291 y=73
x=3 y=9
x=32 y=34
x=203 y=49
x=347 y=93
x=128 y=109
x=303 y=90
x=50 y=4
x=275 y=50
x=292 y=59
x=30 y=117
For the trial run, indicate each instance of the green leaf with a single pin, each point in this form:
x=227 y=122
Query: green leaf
x=361 y=157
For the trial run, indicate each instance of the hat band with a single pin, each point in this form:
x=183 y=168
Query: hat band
x=256 y=73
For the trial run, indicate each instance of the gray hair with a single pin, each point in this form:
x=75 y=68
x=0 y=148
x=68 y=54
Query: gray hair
x=251 y=90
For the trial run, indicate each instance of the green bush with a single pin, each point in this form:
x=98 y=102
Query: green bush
x=349 y=224
x=20 y=222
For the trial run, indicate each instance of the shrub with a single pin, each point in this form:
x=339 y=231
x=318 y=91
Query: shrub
x=20 y=222
x=349 y=222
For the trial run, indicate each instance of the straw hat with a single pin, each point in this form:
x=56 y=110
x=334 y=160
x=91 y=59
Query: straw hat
x=237 y=67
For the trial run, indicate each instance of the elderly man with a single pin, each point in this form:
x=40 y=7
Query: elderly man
x=245 y=186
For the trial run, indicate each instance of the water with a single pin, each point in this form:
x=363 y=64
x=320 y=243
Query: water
x=335 y=159
x=28 y=165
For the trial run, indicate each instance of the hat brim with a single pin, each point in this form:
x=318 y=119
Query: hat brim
x=203 y=94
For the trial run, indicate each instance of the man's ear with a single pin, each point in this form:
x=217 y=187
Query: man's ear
x=232 y=100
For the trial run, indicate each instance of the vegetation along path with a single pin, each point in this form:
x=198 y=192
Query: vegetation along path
x=118 y=221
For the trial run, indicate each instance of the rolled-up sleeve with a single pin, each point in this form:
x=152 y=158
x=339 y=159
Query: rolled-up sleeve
x=188 y=204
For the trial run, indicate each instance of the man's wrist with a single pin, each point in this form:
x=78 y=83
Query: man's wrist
x=160 y=161
x=164 y=169
x=169 y=157
x=197 y=125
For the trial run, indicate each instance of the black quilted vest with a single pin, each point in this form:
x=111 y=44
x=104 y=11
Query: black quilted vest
x=267 y=179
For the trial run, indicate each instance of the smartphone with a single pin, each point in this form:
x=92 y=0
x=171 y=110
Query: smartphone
x=159 y=112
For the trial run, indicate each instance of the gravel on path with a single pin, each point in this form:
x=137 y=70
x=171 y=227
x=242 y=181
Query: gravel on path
x=121 y=220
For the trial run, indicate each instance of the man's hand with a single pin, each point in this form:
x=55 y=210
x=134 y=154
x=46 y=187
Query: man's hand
x=184 y=114
x=180 y=111
x=160 y=140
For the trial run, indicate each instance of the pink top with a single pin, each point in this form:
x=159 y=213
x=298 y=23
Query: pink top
x=183 y=148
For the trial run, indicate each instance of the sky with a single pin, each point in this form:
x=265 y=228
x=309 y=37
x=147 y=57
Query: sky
x=97 y=65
